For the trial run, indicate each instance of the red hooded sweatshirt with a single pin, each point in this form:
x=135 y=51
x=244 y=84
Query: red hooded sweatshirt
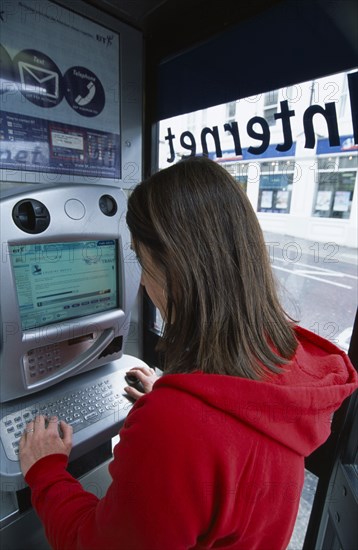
x=204 y=461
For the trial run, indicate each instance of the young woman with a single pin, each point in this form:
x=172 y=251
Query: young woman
x=213 y=456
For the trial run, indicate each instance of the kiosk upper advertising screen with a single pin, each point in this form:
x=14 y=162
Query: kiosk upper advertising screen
x=60 y=92
x=64 y=280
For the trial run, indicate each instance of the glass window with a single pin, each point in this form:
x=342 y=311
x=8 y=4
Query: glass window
x=275 y=188
x=314 y=245
x=335 y=188
x=269 y=115
x=348 y=161
x=231 y=111
x=270 y=107
x=271 y=98
x=239 y=171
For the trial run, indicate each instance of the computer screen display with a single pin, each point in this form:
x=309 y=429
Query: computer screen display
x=64 y=280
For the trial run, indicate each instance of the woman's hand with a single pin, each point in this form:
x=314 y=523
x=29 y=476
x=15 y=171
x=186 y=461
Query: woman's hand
x=39 y=441
x=146 y=376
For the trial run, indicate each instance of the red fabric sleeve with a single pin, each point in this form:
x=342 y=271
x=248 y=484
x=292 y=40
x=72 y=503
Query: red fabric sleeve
x=59 y=500
x=154 y=500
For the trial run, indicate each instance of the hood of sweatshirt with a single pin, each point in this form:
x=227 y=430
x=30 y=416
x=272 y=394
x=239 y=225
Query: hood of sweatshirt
x=294 y=407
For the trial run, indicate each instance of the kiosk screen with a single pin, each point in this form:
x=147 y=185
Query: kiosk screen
x=64 y=280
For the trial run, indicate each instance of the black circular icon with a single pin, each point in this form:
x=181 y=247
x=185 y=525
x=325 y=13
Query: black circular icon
x=84 y=91
x=6 y=71
x=39 y=78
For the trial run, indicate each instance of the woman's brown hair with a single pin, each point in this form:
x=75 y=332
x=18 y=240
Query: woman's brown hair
x=223 y=313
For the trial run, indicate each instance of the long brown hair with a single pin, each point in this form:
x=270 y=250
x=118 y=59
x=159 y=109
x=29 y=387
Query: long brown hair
x=223 y=313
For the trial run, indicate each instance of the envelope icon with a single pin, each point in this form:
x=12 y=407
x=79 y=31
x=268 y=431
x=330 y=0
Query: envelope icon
x=37 y=80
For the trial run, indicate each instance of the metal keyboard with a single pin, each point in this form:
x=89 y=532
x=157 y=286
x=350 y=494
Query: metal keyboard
x=80 y=409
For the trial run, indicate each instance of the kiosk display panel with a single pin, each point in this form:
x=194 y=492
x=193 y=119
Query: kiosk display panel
x=59 y=281
x=71 y=95
x=69 y=280
x=61 y=106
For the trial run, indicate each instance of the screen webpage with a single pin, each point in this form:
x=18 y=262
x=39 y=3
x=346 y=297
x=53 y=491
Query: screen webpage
x=64 y=280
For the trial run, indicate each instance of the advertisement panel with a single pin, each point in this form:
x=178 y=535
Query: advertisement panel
x=59 y=93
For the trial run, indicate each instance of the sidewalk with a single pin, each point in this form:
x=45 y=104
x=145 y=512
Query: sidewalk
x=306 y=501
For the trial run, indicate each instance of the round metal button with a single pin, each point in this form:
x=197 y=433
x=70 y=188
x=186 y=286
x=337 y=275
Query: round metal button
x=75 y=209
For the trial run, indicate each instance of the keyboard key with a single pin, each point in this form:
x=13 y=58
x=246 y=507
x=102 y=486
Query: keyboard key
x=91 y=416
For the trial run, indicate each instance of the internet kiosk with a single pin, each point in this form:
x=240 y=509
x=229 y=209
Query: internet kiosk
x=69 y=281
x=70 y=152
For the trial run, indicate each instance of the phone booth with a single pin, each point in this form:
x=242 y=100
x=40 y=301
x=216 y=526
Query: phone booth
x=91 y=94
